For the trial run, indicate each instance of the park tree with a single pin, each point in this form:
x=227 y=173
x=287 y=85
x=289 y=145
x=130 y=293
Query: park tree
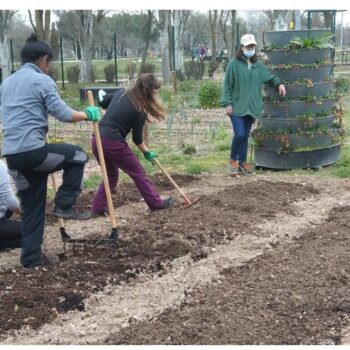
x=86 y=22
x=228 y=28
x=164 y=21
x=6 y=18
x=213 y=23
x=41 y=23
x=148 y=33
x=180 y=25
x=67 y=28
x=54 y=41
x=279 y=19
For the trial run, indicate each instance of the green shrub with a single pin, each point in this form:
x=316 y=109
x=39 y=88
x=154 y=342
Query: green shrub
x=53 y=73
x=131 y=70
x=165 y=94
x=188 y=86
x=73 y=74
x=212 y=67
x=149 y=68
x=189 y=149
x=109 y=73
x=209 y=94
x=194 y=69
x=180 y=75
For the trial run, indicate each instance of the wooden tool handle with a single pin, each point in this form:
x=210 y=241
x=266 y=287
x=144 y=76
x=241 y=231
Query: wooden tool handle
x=103 y=165
x=54 y=186
x=171 y=180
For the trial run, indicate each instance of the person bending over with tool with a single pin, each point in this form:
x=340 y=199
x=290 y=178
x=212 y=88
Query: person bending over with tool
x=27 y=97
x=127 y=112
x=10 y=230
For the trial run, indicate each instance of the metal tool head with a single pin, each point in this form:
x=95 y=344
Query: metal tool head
x=112 y=239
x=187 y=205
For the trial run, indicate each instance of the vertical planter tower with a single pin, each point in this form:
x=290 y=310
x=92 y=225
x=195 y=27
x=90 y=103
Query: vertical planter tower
x=300 y=130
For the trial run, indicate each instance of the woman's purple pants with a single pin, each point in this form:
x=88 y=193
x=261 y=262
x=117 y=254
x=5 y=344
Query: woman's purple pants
x=118 y=155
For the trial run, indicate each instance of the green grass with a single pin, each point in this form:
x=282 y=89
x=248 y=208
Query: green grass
x=92 y=181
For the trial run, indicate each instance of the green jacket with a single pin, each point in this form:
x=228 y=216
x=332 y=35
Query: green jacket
x=243 y=87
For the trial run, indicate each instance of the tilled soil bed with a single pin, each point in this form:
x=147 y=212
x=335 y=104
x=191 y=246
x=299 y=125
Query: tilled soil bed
x=264 y=301
x=296 y=294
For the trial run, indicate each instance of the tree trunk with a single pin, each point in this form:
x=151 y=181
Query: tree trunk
x=5 y=63
x=5 y=24
x=148 y=39
x=164 y=44
x=233 y=33
x=85 y=21
x=327 y=19
x=213 y=21
x=282 y=20
x=180 y=20
x=42 y=23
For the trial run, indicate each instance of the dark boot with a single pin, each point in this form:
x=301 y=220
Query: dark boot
x=71 y=213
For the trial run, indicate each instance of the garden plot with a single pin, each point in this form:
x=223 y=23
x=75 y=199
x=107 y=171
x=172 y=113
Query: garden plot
x=175 y=261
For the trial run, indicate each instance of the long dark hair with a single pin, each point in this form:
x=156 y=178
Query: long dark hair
x=144 y=98
x=34 y=48
x=239 y=55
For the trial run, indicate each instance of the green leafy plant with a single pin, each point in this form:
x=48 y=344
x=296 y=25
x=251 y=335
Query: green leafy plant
x=209 y=94
x=73 y=74
x=109 y=71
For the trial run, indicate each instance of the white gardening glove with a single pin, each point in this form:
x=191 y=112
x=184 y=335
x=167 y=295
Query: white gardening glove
x=101 y=94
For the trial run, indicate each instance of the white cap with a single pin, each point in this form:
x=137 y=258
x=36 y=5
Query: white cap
x=248 y=39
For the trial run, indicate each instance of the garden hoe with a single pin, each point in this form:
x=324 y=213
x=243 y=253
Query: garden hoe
x=113 y=237
x=188 y=203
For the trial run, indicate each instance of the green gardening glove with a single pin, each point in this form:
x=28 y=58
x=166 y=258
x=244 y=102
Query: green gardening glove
x=93 y=114
x=149 y=155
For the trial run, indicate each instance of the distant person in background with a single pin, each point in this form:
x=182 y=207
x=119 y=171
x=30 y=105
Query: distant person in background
x=10 y=230
x=243 y=101
x=127 y=111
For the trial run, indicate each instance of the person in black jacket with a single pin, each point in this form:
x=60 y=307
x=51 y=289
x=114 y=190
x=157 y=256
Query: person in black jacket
x=127 y=111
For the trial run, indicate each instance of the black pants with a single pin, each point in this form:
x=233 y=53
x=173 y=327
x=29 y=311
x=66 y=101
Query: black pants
x=29 y=171
x=10 y=232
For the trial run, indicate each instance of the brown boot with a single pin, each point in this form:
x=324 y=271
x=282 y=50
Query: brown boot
x=233 y=168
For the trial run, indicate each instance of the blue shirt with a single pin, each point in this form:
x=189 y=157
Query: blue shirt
x=27 y=97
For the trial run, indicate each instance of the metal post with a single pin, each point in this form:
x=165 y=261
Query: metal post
x=115 y=58
x=342 y=30
x=308 y=20
x=237 y=36
x=11 y=53
x=62 y=68
x=173 y=40
x=297 y=19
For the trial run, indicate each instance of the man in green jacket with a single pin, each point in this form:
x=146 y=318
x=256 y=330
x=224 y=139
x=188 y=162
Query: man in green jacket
x=243 y=100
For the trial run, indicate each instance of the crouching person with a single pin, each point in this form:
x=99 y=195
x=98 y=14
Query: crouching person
x=26 y=99
x=10 y=230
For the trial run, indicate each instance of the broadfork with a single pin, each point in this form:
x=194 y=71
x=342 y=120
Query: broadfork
x=113 y=237
x=187 y=200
